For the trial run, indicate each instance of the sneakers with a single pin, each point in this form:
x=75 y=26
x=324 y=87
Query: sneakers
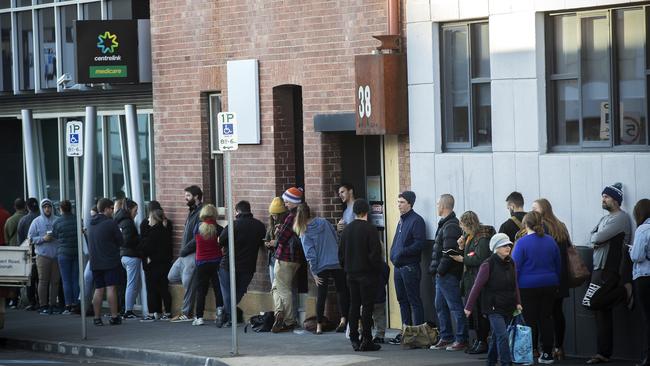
x=442 y=344
x=98 y=322
x=546 y=358
x=367 y=346
x=396 y=340
x=45 y=310
x=479 y=348
x=181 y=318
x=115 y=321
x=129 y=315
x=198 y=321
x=67 y=310
x=456 y=346
x=221 y=317
x=148 y=319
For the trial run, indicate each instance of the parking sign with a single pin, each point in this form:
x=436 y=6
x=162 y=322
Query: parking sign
x=227 y=127
x=74 y=141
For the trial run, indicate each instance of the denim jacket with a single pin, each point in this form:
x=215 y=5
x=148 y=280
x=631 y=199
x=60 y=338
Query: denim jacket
x=640 y=251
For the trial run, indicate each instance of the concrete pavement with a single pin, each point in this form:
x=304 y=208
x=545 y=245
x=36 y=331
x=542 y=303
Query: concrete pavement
x=168 y=343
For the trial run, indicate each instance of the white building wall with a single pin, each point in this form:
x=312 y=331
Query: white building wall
x=519 y=160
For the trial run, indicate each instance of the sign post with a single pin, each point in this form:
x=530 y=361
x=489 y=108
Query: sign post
x=74 y=147
x=227 y=134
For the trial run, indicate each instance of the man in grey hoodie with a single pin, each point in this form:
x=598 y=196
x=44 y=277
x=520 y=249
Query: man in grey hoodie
x=46 y=246
x=183 y=269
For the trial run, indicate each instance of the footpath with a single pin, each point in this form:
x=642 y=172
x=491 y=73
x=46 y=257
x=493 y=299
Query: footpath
x=165 y=343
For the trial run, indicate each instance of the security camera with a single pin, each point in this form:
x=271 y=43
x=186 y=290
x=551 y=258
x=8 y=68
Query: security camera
x=63 y=79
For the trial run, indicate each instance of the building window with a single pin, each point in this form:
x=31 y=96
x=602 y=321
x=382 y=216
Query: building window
x=25 y=49
x=47 y=48
x=598 y=78
x=6 y=68
x=467 y=110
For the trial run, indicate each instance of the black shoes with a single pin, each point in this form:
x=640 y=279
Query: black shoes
x=115 y=321
x=378 y=340
x=221 y=317
x=368 y=346
x=478 y=348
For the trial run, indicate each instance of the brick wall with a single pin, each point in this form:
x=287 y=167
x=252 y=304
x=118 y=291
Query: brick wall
x=308 y=43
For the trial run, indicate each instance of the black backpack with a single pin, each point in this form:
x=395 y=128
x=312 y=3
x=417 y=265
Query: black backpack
x=261 y=323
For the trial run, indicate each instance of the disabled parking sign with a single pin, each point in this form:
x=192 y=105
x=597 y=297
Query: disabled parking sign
x=227 y=127
x=74 y=139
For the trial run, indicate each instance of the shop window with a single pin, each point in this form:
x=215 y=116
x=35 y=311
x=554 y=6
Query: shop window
x=467 y=110
x=49 y=155
x=4 y=4
x=6 y=68
x=47 y=48
x=92 y=11
x=598 y=80
x=25 y=49
x=68 y=14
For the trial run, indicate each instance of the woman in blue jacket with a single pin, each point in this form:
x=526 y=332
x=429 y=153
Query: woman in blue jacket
x=640 y=255
x=538 y=264
x=319 y=243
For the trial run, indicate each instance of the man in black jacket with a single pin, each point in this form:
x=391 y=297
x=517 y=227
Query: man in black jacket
x=22 y=231
x=249 y=235
x=447 y=274
x=361 y=259
x=104 y=242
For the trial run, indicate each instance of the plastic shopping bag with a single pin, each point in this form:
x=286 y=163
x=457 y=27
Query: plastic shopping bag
x=520 y=339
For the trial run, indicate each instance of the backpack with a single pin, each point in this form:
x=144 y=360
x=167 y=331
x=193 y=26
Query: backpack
x=261 y=323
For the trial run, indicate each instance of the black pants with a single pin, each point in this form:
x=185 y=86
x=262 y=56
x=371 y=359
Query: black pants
x=343 y=297
x=206 y=273
x=538 y=313
x=642 y=285
x=158 y=290
x=32 y=293
x=480 y=323
x=559 y=322
x=362 y=293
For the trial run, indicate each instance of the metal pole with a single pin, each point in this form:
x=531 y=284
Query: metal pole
x=30 y=160
x=231 y=255
x=80 y=256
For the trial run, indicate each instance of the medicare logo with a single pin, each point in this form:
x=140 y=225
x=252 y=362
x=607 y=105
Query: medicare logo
x=107 y=42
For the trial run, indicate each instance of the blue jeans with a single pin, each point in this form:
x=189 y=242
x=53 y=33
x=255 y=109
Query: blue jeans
x=407 y=289
x=133 y=268
x=69 y=268
x=499 y=347
x=449 y=304
x=242 y=280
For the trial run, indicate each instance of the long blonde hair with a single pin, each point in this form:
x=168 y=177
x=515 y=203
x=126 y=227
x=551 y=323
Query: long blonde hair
x=208 y=217
x=555 y=227
x=470 y=222
x=303 y=214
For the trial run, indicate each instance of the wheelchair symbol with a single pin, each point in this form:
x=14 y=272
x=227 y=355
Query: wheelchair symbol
x=74 y=138
x=228 y=129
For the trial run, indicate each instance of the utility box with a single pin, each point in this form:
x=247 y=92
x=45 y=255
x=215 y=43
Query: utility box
x=381 y=94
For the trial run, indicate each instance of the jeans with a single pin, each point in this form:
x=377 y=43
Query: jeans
x=133 y=267
x=183 y=271
x=499 y=347
x=69 y=268
x=449 y=304
x=242 y=280
x=379 y=319
x=48 y=280
x=342 y=293
x=407 y=289
x=207 y=273
x=362 y=296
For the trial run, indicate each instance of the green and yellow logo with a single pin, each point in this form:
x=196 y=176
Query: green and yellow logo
x=107 y=42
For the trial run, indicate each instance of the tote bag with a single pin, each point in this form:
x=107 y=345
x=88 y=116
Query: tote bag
x=520 y=339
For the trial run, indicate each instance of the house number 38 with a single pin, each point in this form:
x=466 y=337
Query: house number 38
x=365 y=108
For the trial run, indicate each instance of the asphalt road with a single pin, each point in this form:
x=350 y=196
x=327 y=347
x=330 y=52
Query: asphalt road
x=19 y=357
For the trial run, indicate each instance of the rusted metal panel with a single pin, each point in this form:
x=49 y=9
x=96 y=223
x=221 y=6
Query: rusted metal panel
x=381 y=94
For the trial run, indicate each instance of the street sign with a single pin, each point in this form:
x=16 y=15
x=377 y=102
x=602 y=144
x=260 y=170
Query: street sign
x=227 y=127
x=74 y=138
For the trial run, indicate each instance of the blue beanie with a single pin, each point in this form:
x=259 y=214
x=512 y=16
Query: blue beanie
x=615 y=191
x=409 y=196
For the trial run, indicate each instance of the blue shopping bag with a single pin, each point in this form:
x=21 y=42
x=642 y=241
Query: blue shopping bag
x=520 y=339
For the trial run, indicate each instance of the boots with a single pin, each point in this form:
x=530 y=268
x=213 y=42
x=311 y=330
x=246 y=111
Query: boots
x=220 y=317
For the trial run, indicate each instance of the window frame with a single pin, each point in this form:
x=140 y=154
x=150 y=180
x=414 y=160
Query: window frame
x=613 y=143
x=472 y=97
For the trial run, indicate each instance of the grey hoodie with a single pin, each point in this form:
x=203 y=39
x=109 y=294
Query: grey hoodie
x=320 y=246
x=38 y=229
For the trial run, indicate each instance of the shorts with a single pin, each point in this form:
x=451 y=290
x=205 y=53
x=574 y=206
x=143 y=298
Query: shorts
x=107 y=277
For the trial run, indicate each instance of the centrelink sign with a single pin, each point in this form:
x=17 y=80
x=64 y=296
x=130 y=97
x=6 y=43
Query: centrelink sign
x=107 y=51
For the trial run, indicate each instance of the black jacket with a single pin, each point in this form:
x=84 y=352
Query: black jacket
x=446 y=238
x=130 y=238
x=145 y=228
x=249 y=238
x=188 y=245
x=360 y=249
x=499 y=295
x=104 y=242
x=156 y=248
x=23 y=225
x=510 y=228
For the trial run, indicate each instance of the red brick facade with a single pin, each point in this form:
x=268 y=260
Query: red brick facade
x=305 y=43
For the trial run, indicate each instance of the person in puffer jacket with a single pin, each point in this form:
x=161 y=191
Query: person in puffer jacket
x=318 y=238
x=40 y=234
x=131 y=257
x=65 y=231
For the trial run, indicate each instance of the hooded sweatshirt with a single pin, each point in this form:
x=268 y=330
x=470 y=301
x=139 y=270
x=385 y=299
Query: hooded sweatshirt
x=320 y=246
x=104 y=241
x=37 y=231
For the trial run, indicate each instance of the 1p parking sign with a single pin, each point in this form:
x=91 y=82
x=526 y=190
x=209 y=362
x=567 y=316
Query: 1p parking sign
x=74 y=139
x=227 y=127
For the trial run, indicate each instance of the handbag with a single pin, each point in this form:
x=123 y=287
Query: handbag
x=520 y=340
x=576 y=268
x=419 y=336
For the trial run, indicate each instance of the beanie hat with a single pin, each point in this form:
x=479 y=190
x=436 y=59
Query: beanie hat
x=293 y=195
x=409 y=196
x=46 y=201
x=499 y=240
x=615 y=191
x=276 y=206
